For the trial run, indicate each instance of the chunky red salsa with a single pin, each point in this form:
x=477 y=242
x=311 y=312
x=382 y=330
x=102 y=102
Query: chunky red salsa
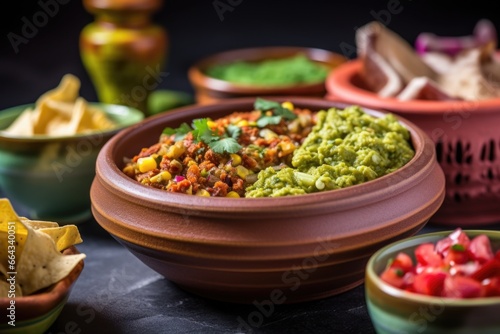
x=220 y=158
x=457 y=266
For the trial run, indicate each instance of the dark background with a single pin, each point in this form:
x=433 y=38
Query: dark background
x=196 y=30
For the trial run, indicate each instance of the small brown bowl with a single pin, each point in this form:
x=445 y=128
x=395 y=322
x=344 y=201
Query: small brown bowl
x=467 y=144
x=281 y=250
x=37 y=312
x=209 y=89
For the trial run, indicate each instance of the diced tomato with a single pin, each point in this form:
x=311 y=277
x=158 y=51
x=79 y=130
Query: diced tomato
x=456 y=255
x=394 y=277
x=489 y=269
x=465 y=269
x=429 y=282
x=427 y=256
x=403 y=261
x=480 y=248
x=454 y=267
x=492 y=287
x=462 y=287
x=458 y=236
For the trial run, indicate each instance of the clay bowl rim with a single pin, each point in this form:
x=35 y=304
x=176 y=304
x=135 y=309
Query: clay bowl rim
x=394 y=292
x=112 y=178
x=341 y=86
x=127 y=115
x=197 y=76
x=41 y=303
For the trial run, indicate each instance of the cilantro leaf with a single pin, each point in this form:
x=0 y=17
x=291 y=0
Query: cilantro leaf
x=278 y=112
x=225 y=143
x=202 y=131
x=180 y=132
x=268 y=120
x=264 y=105
x=284 y=112
x=233 y=131
x=229 y=145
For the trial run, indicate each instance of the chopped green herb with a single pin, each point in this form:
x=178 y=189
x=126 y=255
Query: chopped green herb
x=180 y=132
x=233 y=131
x=229 y=145
x=202 y=132
x=268 y=120
x=278 y=112
x=399 y=272
x=458 y=248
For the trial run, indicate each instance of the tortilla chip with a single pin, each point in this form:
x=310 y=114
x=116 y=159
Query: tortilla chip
x=10 y=221
x=61 y=112
x=66 y=91
x=37 y=248
x=41 y=264
x=63 y=236
x=22 y=125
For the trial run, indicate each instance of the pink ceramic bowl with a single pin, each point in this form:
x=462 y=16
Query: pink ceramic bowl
x=467 y=139
x=282 y=250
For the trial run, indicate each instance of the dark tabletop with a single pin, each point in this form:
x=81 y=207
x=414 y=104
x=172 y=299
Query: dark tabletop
x=116 y=293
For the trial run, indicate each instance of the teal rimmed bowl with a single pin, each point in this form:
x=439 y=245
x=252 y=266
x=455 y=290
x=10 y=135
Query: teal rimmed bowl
x=34 y=314
x=49 y=177
x=394 y=310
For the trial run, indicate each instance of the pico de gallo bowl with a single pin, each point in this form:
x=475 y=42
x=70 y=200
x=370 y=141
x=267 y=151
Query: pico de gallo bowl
x=439 y=282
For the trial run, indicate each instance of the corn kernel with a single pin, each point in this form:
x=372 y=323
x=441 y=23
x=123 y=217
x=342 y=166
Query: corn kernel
x=211 y=124
x=288 y=105
x=163 y=176
x=242 y=171
x=243 y=122
x=176 y=150
x=203 y=193
x=233 y=194
x=286 y=148
x=268 y=134
x=235 y=159
x=146 y=164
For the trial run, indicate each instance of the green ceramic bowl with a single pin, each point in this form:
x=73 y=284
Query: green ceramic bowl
x=49 y=178
x=34 y=314
x=393 y=310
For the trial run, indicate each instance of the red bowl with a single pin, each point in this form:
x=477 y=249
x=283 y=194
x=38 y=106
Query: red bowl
x=467 y=139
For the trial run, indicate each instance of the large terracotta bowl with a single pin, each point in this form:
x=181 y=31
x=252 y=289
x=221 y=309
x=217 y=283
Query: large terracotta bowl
x=467 y=143
x=210 y=90
x=283 y=250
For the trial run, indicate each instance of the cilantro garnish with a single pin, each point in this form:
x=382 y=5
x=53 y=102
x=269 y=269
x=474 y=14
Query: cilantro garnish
x=271 y=114
x=458 y=247
x=180 y=132
x=229 y=145
x=277 y=110
x=225 y=143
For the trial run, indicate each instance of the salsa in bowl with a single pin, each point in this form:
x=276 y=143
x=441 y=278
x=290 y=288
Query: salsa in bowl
x=273 y=150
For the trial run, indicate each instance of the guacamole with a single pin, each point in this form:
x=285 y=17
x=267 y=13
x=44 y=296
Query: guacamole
x=272 y=72
x=345 y=147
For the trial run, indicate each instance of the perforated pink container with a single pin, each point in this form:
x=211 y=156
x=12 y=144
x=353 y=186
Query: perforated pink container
x=467 y=139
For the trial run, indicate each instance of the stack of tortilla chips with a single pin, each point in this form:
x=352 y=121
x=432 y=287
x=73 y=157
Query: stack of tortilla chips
x=37 y=252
